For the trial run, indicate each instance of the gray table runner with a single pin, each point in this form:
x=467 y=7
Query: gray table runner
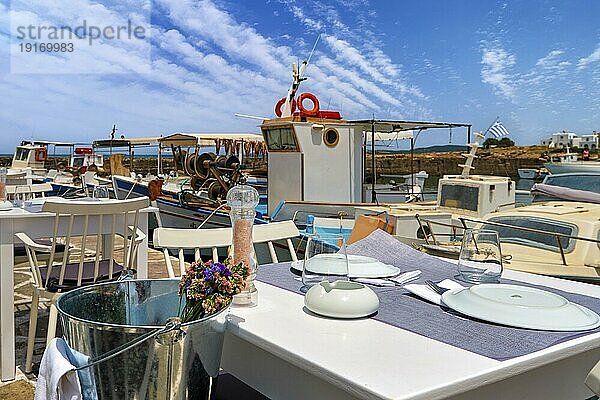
x=401 y=309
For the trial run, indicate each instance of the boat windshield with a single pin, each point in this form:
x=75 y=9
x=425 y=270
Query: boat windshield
x=590 y=183
x=281 y=138
x=22 y=154
x=542 y=239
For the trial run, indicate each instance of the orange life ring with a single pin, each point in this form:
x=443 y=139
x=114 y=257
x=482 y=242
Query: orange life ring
x=311 y=97
x=41 y=154
x=280 y=103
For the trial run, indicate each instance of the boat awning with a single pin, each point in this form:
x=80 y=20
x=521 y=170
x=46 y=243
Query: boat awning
x=46 y=143
x=383 y=136
x=129 y=142
x=388 y=126
x=206 y=139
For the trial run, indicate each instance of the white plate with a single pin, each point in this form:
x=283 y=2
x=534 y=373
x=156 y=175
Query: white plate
x=358 y=266
x=522 y=307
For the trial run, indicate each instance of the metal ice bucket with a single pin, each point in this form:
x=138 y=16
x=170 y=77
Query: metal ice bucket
x=117 y=335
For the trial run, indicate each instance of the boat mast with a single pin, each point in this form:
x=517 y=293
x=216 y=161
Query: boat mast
x=298 y=77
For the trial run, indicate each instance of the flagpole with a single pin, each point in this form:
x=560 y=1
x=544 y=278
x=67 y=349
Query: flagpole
x=492 y=124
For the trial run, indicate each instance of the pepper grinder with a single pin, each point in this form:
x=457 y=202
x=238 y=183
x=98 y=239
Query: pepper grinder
x=243 y=199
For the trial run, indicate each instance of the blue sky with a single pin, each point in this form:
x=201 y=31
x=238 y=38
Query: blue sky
x=535 y=64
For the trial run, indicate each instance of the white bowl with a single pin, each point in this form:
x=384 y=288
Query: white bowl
x=341 y=299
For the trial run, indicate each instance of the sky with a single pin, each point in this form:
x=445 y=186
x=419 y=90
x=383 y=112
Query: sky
x=533 y=64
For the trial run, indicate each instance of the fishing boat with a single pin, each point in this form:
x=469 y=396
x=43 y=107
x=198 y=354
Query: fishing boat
x=42 y=161
x=532 y=173
x=568 y=162
x=192 y=193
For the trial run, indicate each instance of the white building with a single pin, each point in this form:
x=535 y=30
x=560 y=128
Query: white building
x=564 y=139
x=589 y=141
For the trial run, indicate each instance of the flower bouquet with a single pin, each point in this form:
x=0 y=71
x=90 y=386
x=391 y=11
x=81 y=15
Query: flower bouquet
x=209 y=287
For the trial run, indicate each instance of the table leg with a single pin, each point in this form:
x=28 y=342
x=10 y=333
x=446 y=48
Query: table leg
x=142 y=256
x=7 y=316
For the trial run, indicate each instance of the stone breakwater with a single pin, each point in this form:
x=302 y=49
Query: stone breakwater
x=501 y=162
x=498 y=161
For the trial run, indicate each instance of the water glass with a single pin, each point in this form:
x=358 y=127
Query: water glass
x=325 y=259
x=100 y=192
x=480 y=259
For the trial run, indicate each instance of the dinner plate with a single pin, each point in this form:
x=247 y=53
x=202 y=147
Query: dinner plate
x=358 y=266
x=522 y=307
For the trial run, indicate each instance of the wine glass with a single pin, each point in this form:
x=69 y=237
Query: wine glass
x=325 y=259
x=480 y=259
x=101 y=192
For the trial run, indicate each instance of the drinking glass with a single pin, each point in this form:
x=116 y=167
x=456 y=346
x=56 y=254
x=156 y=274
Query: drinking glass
x=325 y=259
x=480 y=259
x=100 y=192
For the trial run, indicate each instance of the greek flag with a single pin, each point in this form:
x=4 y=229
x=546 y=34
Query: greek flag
x=498 y=130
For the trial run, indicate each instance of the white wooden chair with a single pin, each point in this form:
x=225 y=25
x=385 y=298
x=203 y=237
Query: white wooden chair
x=268 y=233
x=50 y=277
x=190 y=239
x=27 y=192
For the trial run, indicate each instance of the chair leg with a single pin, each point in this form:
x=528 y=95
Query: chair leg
x=52 y=320
x=33 y=315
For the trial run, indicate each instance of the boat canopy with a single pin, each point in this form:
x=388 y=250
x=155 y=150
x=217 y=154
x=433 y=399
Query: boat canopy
x=46 y=143
x=384 y=136
x=370 y=125
x=129 y=142
x=206 y=139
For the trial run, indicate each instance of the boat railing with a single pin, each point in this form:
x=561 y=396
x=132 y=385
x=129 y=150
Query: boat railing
x=425 y=226
x=429 y=235
x=316 y=213
x=556 y=235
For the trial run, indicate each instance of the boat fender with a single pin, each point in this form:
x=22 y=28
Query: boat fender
x=280 y=104
x=314 y=110
x=155 y=188
x=41 y=154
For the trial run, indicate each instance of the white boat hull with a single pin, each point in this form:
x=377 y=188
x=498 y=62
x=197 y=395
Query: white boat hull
x=527 y=173
x=568 y=167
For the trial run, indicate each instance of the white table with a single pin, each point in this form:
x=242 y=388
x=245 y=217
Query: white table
x=36 y=225
x=285 y=353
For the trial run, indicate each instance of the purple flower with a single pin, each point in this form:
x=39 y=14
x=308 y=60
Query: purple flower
x=208 y=274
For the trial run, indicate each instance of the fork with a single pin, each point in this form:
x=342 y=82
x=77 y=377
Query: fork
x=435 y=287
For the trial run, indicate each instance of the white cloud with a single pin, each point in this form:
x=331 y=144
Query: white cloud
x=497 y=63
x=206 y=66
x=594 y=57
x=238 y=40
x=552 y=61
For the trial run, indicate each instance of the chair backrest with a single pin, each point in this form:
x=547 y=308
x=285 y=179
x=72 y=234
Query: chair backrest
x=120 y=216
x=268 y=233
x=26 y=192
x=190 y=239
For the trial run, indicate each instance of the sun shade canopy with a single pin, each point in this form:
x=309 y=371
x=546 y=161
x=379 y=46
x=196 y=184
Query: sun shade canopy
x=206 y=139
x=129 y=142
x=387 y=126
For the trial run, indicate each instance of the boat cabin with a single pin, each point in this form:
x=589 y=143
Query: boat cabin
x=84 y=157
x=323 y=159
x=33 y=155
x=29 y=156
